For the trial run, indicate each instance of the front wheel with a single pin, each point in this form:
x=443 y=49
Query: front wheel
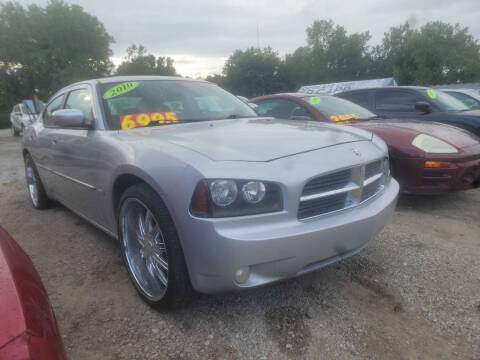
x=151 y=249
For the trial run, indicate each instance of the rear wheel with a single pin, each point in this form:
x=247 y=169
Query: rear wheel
x=14 y=131
x=151 y=249
x=37 y=193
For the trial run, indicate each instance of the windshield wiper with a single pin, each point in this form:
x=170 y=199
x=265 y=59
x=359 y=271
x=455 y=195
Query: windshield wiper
x=376 y=117
x=235 y=116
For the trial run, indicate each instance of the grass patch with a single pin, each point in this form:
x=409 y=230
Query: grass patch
x=415 y=244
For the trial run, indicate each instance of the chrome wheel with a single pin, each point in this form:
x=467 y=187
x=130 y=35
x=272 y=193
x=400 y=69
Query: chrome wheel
x=32 y=184
x=144 y=247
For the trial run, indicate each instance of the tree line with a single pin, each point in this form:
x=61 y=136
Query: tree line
x=45 y=48
x=436 y=53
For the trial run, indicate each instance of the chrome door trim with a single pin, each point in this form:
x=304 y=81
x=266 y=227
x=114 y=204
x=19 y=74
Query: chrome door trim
x=91 y=187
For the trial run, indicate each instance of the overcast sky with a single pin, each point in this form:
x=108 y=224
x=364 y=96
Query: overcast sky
x=201 y=34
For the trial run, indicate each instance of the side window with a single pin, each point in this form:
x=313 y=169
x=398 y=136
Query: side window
x=278 y=108
x=55 y=104
x=359 y=98
x=81 y=100
x=400 y=101
x=15 y=109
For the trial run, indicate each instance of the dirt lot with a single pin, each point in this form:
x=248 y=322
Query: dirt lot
x=414 y=293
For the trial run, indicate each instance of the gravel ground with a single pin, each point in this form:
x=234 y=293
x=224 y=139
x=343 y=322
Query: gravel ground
x=414 y=293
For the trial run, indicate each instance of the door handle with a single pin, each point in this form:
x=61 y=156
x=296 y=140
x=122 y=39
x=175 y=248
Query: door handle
x=54 y=141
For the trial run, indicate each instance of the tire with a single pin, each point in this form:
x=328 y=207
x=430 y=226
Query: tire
x=153 y=256
x=15 y=132
x=35 y=188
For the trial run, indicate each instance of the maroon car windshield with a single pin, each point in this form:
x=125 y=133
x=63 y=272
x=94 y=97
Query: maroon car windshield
x=337 y=109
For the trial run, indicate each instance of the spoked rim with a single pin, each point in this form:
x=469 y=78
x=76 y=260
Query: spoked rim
x=145 y=250
x=32 y=184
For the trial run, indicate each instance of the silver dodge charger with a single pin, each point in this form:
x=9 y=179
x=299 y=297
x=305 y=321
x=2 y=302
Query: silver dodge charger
x=200 y=192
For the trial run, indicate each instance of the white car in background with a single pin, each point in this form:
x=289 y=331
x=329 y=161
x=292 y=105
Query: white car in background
x=469 y=97
x=24 y=114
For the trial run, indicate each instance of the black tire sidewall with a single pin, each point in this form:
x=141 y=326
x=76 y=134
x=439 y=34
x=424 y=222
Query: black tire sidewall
x=42 y=195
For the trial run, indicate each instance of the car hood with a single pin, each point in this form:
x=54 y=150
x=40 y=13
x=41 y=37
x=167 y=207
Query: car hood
x=257 y=139
x=392 y=131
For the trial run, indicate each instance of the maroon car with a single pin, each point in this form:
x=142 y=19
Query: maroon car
x=425 y=157
x=28 y=329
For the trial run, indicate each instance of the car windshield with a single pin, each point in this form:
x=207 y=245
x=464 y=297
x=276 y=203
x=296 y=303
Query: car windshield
x=473 y=93
x=143 y=103
x=444 y=101
x=339 y=110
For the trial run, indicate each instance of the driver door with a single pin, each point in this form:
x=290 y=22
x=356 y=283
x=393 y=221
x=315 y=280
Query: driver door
x=77 y=163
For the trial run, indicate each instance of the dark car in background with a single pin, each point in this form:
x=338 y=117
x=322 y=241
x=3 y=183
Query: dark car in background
x=425 y=157
x=413 y=102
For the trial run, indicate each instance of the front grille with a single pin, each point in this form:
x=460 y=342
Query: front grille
x=328 y=182
x=314 y=207
x=371 y=189
x=373 y=168
x=341 y=189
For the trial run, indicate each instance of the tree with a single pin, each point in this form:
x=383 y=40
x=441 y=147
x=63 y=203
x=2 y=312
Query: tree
x=254 y=72
x=337 y=56
x=138 y=62
x=300 y=69
x=46 y=48
x=437 y=53
x=53 y=46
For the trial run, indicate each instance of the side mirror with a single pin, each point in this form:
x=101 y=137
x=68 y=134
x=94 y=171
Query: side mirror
x=68 y=118
x=423 y=106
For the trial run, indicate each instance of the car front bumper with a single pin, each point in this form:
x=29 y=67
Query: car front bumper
x=463 y=173
x=271 y=248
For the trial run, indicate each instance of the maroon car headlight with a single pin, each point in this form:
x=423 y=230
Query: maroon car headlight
x=227 y=197
x=433 y=145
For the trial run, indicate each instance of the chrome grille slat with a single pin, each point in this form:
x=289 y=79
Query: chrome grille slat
x=313 y=207
x=341 y=189
x=328 y=182
x=373 y=168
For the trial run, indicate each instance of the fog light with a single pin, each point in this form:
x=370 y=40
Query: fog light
x=242 y=274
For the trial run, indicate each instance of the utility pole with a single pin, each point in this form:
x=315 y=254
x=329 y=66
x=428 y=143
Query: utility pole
x=258 y=36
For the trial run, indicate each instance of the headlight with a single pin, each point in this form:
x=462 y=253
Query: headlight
x=223 y=192
x=431 y=144
x=225 y=197
x=253 y=191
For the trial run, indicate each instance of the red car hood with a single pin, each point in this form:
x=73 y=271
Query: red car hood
x=28 y=328
x=394 y=131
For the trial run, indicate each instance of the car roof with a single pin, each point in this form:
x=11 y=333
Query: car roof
x=458 y=90
x=385 y=88
x=293 y=94
x=112 y=79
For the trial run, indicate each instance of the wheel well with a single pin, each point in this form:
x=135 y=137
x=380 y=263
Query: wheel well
x=122 y=183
